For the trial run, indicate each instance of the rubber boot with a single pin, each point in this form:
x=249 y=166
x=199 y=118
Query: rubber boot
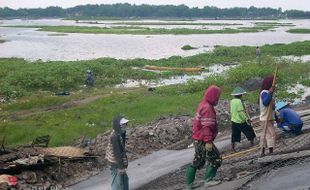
x=209 y=175
x=190 y=177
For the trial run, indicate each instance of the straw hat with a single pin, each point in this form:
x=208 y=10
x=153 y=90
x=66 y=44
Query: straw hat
x=238 y=91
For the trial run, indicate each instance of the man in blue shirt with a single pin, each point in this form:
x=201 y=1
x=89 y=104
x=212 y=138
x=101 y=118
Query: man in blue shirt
x=287 y=119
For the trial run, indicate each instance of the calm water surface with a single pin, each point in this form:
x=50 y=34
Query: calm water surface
x=32 y=45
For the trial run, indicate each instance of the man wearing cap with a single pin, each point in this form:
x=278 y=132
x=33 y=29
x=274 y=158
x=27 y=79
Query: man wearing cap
x=239 y=119
x=287 y=119
x=116 y=154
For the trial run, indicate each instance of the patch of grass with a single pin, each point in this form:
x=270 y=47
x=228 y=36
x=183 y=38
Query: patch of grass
x=299 y=31
x=257 y=28
x=2 y=41
x=143 y=31
x=188 y=47
x=94 y=18
x=57 y=34
x=142 y=107
x=177 y=23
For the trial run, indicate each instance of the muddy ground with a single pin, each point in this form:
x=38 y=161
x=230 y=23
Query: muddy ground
x=169 y=132
x=243 y=172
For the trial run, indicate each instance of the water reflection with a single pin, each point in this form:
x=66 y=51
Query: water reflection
x=214 y=69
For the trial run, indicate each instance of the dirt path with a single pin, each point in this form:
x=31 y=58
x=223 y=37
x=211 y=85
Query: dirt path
x=146 y=169
x=166 y=169
x=67 y=105
x=290 y=177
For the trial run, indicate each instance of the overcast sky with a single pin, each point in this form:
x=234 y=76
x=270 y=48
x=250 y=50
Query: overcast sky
x=284 y=4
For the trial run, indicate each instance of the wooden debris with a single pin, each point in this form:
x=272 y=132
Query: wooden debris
x=66 y=151
x=30 y=160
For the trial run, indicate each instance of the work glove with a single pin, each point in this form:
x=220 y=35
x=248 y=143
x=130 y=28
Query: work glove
x=209 y=147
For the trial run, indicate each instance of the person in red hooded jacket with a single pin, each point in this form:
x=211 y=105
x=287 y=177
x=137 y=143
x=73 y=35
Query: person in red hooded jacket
x=204 y=132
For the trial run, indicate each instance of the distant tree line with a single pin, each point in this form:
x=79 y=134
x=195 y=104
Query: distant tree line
x=125 y=10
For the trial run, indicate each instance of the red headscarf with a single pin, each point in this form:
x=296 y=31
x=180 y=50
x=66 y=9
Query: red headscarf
x=267 y=83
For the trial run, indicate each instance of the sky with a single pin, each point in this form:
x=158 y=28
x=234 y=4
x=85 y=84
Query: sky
x=284 y=4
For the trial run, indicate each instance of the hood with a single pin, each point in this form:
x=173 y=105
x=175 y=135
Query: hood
x=267 y=83
x=116 y=123
x=212 y=94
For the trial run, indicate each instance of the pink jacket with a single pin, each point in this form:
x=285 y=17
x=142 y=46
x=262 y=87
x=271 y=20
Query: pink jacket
x=204 y=125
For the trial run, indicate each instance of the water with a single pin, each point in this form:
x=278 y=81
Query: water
x=301 y=90
x=304 y=58
x=32 y=45
x=214 y=69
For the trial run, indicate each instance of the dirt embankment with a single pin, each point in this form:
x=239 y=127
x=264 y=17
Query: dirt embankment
x=170 y=132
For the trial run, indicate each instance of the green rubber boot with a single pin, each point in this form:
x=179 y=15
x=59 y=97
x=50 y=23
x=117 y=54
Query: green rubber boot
x=209 y=175
x=190 y=177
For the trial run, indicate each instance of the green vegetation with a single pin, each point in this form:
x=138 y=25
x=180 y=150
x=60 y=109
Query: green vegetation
x=37 y=79
x=188 y=47
x=143 y=31
x=59 y=75
x=57 y=34
x=2 y=41
x=299 y=31
x=177 y=23
x=142 y=106
x=147 y=31
x=125 y=10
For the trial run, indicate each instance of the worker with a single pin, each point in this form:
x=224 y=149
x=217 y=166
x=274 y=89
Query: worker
x=240 y=122
x=116 y=154
x=89 y=78
x=268 y=137
x=204 y=133
x=258 y=52
x=287 y=119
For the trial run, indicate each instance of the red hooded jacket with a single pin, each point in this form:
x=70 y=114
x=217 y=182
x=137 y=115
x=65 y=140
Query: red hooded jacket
x=204 y=125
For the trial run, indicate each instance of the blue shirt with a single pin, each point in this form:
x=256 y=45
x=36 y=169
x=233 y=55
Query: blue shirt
x=289 y=117
x=266 y=98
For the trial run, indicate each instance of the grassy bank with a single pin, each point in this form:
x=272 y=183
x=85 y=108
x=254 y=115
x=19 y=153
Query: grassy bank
x=177 y=23
x=142 y=106
x=55 y=76
x=144 y=31
x=274 y=24
x=299 y=31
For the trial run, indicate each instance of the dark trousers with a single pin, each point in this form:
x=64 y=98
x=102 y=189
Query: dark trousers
x=202 y=155
x=119 y=181
x=246 y=129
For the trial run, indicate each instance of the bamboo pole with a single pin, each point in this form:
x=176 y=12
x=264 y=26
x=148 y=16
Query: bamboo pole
x=240 y=153
x=269 y=109
x=248 y=115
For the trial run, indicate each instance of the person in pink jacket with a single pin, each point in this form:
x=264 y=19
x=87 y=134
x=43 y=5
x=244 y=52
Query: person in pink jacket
x=204 y=132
